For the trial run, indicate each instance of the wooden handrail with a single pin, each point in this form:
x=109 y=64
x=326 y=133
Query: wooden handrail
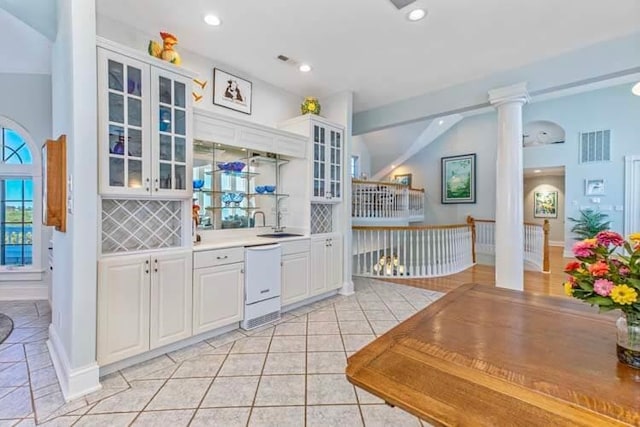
x=534 y=224
x=412 y=227
x=393 y=184
x=545 y=256
x=472 y=223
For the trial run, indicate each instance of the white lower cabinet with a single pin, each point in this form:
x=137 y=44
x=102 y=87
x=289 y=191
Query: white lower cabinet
x=142 y=304
x=326 y=265
x=123 y=307
x=218 y=296
x=171 y=298
x=295 y=278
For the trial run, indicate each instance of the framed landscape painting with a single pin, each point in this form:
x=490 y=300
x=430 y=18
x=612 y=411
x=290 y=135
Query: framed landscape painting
x=458 y=179
x=545 y=204
x=403 y=179
x=231 y=91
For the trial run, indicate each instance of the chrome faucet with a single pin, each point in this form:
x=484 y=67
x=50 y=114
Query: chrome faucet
x=264 y=224
x=278 y=228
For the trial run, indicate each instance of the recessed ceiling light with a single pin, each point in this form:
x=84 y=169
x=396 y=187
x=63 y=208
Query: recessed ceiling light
x=305 y=68
x=393 y=166
x=416 y=15
x=441 y=122
x=212 y=20
x=537 y=171
x=636 y=89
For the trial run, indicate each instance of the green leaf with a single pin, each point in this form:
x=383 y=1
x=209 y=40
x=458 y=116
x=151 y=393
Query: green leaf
x=605 y=308
x=601 y=301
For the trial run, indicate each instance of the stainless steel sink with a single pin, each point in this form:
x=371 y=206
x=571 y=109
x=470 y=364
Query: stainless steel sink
x=280 y=235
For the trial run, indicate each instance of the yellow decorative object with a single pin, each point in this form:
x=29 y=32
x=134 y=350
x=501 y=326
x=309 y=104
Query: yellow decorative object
x=310 y=106
x=196 y=97
x=200 y=83
x=165 y=52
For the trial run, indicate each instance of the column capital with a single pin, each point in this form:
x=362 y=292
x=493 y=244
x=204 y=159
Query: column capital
x=513 y=93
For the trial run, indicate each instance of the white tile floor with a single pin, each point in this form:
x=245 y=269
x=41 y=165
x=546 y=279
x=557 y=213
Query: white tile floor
x=291 y=374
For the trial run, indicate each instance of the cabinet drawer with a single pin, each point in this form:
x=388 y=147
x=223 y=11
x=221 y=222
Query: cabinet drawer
x=215 y=257
x=295 y=247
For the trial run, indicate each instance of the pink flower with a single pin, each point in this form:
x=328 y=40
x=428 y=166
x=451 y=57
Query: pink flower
x=624 y=271
x=583 y=248
x=572 y=280
x=603 y=287
x=606 y=238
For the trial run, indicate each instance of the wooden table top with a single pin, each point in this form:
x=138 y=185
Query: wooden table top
x=487 y=356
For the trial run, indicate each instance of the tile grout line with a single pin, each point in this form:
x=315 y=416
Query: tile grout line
x=264 y=363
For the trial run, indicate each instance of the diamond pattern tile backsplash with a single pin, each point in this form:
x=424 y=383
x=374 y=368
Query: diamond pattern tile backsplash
x=133 y=225
x=321 y=218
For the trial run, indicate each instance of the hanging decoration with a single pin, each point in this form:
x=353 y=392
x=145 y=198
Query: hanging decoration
x=202 y=84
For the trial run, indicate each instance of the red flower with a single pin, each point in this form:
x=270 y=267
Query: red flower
x=572 y=266
x=599 y=269
x=606 y=238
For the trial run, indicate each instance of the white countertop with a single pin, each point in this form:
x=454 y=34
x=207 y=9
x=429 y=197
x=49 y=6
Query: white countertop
x=240 y=241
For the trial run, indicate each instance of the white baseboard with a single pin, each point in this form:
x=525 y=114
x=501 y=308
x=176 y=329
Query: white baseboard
x=23 y=292
x=347 y=288
x=557 y=243
x=76 y=382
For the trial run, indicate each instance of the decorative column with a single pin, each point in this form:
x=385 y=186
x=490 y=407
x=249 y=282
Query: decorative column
x=509 y=235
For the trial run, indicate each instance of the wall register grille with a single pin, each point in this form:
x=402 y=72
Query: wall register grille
x=321 y=218
x=133 y=225
x=595 y=146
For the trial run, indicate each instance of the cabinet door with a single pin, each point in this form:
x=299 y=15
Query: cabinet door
x=171 y=297
x=319 y=265
x=218 y=297
x=334 y=262
x=123 y=307
x=171 y=134
x=123 y=125
x=319 y=134
x=295 y=278
x=334 y=165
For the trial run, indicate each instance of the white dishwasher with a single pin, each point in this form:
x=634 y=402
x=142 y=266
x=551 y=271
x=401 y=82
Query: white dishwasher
x=262 y=285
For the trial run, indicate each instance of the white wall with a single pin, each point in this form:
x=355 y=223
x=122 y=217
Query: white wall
x=476 y=134
x=612 y=108
x=546 y=183
x=359 y=148
x=270 y=104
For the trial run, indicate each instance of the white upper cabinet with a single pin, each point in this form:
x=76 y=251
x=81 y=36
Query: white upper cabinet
x=327 y=145
x=144 y=125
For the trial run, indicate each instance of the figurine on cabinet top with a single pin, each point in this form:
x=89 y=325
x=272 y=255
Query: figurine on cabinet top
x=165 y=52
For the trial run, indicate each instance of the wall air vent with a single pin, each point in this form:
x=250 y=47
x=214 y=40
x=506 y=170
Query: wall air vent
x=595 y=146
x=402 y=3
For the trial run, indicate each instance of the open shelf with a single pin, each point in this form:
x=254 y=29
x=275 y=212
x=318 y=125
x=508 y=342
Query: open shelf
x=215 y=208
x=268 y=194
x=265 y=159
x=231 y=173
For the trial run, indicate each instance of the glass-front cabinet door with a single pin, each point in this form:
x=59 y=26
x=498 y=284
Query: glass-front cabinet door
x=170 y=133
x=335 y=164
x=319 y=162
x=123 y=126
x=327 y=163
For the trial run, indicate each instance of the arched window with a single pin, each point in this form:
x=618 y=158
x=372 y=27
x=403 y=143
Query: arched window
x=20 y=184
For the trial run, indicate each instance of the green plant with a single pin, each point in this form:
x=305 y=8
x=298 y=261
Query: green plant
x=590 y=223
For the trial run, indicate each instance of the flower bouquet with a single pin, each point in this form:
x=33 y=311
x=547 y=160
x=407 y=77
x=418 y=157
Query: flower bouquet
x=607 y=274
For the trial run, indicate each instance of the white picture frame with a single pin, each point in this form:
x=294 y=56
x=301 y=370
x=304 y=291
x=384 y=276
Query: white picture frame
x=594 y=187
x=231 y=91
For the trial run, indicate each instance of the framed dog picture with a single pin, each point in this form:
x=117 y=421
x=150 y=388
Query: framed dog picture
x=231 y=91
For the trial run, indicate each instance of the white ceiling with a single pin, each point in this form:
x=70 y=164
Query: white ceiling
x=369 y=47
